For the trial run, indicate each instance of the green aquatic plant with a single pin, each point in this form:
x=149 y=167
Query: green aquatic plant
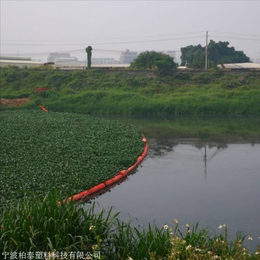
x=69 y=152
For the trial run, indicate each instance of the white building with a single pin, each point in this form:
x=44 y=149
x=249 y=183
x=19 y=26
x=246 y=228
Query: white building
x=65 y=59
x=55 y=56
x=103 y=61
x=127 y=57
x=246 y=65
x=171 y=53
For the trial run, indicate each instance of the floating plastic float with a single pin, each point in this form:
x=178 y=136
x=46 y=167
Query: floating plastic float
x=44 y=109
x=109 y=183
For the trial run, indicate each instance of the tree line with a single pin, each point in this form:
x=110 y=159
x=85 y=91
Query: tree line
x=192 y=56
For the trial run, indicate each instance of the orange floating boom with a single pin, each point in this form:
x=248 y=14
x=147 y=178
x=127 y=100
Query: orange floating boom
x=122 y=174
x=44 y=109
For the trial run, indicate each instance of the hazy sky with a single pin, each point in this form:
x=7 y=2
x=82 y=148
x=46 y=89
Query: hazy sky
x=35 y=28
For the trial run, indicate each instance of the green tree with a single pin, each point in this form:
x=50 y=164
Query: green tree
x=89 y=54
x=154 y=60
x=218 y=53
x=193 y=56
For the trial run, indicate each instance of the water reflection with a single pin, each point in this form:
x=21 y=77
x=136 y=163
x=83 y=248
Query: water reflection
x=230 y=129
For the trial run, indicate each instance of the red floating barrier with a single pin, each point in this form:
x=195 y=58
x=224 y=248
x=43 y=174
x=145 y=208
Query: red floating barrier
x=117 y=178
x=139 y=159
x=85 y=193
x=93 y=190
x=100 y=186
x=131 y=168
x=77 y=197
x=113 y=180
x=109 y=182
x=44 y=109
x=123 y=173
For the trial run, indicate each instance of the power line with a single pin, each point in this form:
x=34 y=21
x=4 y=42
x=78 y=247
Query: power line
x=105 y=39
x=236 y=38
x=254 y=35
x=98 y=43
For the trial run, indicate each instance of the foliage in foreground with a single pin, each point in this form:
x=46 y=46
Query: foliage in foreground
x=66 y=228
x=198 y=243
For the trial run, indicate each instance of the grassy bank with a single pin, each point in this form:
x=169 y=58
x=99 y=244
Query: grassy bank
x=98 y=92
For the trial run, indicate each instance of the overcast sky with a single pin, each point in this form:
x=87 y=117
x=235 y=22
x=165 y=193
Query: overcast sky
x=35 y=28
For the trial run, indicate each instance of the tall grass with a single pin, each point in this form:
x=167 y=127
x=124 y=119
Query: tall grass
x=198 y=243
x=47 y=225
x=65 y=228
x=109 y=93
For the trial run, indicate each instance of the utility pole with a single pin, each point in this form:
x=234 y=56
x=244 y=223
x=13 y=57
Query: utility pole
x=206 y=52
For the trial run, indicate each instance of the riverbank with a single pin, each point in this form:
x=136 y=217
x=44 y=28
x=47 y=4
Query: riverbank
x=97 y=92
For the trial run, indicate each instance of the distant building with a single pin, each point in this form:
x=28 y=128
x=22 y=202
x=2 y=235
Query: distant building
x=65 y=59
x=171 y=53
x=104 y=61
x=20 y=63
x=15 y=58
x=237 y=66
x=127 y=57
x=55 y=55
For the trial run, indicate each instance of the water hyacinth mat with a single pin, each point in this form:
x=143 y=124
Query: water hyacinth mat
x=69 y=152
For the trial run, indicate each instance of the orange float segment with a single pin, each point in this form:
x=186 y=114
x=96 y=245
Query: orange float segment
x=97 y=188
x=112 y=181
x=77 y=197
x=139 y=159
x=123 y=173
x=85 y=193
x=44 y=109
x=131 y=168
x=109 y=182
x=117 y=178
x=100 y=186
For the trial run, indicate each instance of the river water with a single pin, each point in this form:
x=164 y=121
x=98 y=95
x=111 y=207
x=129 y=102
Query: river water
x=210 y=181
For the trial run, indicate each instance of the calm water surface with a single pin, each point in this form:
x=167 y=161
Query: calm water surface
x=193 y=181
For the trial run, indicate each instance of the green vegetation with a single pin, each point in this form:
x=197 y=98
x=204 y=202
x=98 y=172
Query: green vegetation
x=67 y=229
x=159 y=61
x=218 y=53
x=98 y=92
x=89 y=54
x=44 y=151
